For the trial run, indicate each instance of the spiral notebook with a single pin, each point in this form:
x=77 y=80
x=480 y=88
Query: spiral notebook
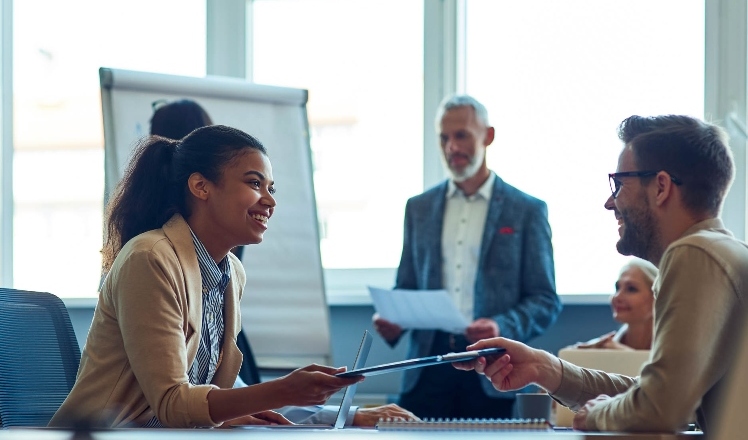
x=466 y=425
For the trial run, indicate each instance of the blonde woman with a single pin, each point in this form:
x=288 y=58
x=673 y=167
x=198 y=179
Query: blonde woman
x=633 y=306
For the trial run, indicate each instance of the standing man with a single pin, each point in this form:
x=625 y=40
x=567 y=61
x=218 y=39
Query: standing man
x=667 y=194
x=489 y=245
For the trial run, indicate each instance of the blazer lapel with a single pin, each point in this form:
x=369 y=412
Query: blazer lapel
x=178 y=232
x=436 y=216
x=437 y=213
x=492 y=218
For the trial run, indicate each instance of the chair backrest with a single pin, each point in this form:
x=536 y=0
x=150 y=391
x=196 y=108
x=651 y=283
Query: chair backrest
x=39 y=357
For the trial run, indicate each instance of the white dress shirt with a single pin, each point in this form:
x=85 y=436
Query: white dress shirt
x=462 y=233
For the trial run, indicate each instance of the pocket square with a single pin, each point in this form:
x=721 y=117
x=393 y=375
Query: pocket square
x=506 y=230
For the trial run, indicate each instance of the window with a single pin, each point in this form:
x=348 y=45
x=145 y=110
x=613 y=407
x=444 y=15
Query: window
x=557 y=77
x=362 y=63
x=58 y=173
x=6 y=147
x=536 y=64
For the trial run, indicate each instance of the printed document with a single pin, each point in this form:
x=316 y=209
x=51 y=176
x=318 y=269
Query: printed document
x=419 y=309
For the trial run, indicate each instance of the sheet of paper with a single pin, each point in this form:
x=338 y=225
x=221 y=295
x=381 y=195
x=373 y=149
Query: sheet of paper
x=418 y=309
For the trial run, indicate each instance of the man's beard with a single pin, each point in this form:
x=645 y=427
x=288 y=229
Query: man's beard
x=470 y=170
x=640 y=236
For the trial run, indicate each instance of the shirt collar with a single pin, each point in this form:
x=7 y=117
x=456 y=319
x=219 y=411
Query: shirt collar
x=484 y=191
x=710 y=223
x=210 y=272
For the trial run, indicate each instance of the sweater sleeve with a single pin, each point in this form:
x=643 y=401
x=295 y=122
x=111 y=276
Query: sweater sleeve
x=578 y=385
x=694 y=299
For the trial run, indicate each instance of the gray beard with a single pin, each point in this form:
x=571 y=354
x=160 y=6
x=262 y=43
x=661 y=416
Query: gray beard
x=470 y=171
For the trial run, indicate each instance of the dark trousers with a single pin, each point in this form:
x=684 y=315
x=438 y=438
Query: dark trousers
x=443 y=391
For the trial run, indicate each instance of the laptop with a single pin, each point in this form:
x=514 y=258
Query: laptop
x=345 y=404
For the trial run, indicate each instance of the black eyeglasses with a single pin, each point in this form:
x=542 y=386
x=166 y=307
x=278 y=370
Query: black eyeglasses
x=157 y=104
x=616 y=183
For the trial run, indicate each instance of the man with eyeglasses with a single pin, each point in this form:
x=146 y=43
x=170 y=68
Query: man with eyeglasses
x=667 y=194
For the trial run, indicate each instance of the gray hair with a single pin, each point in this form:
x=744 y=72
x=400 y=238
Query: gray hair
x=455 y=101
x=648 y=269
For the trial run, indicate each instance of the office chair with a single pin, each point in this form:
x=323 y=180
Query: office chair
x=39 y=357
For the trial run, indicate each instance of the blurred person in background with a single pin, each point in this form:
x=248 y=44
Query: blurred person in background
x=633 y=306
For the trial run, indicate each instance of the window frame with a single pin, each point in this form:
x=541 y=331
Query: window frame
x=726 y=42
x=6 y=143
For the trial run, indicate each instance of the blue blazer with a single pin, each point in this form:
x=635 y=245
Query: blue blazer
x=515 y=284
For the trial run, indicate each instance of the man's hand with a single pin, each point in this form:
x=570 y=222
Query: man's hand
x=260 y=418
x=482 y=328
x=580 y=418
x=368 y=417
x=388 y=330
x=518 y=367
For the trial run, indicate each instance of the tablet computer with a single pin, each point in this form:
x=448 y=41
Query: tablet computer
x=345 y=404
x=422 y=362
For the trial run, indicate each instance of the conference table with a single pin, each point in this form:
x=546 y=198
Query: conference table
x=297 y=434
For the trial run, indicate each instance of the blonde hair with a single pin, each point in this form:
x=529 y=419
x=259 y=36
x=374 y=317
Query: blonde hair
x=648 y=269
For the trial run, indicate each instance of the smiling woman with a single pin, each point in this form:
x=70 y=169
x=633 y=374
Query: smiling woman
x=217 y=179
x=173 y=288
x=633 y=306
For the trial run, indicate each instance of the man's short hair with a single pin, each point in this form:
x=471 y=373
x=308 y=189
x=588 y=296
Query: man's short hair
x=455 y=101
x=693 y=151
